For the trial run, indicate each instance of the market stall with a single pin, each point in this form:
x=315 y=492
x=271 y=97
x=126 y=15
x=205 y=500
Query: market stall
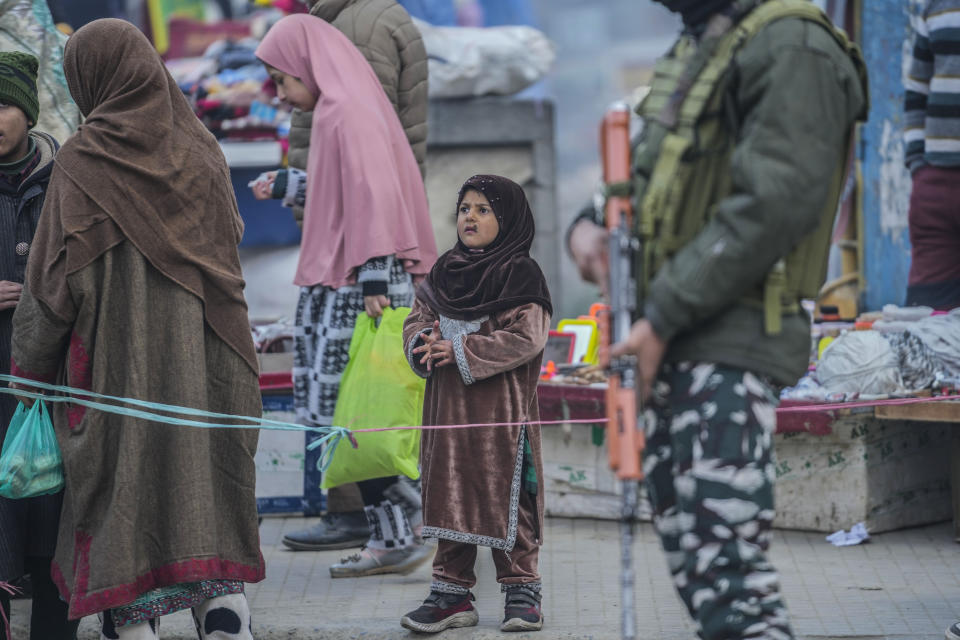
x=868 y=436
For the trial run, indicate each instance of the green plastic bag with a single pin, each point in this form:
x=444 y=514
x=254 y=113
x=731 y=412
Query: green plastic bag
x=30 y=462
x=378 y=389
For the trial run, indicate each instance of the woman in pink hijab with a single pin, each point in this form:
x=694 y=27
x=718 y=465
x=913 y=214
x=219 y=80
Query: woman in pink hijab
x=366 y=237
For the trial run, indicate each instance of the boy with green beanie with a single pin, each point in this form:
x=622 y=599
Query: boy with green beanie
x=18 y=82
x=28 y=528
x=19 y=106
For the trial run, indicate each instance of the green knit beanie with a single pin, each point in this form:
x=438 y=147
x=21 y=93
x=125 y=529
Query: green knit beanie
x=18 y=82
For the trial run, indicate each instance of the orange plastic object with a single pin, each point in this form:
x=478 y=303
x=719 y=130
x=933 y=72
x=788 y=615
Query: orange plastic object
x=624 y=439
x=595 y=310
x=550 y=370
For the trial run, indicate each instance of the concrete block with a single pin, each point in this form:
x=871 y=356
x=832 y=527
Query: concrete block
x=577 y=478
x=889 y=474
x=279 y=461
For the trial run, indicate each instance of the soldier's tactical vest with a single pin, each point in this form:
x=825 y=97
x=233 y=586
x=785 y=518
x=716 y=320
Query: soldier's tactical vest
x=682 y=164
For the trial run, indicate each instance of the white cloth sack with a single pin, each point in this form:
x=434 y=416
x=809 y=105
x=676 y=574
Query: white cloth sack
x=468 y=61
x=860 y=362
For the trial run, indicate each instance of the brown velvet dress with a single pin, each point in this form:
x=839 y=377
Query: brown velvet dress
x=472 y=480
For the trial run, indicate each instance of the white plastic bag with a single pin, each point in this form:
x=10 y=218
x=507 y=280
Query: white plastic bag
x=468 y=61
x=860 y=362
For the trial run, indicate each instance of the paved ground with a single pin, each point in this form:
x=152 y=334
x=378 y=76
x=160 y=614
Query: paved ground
x=902 y=585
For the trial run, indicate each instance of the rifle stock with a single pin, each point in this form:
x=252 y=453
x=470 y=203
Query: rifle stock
x=625 y=441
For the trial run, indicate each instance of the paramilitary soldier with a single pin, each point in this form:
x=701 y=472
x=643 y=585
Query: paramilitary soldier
x=737 y=174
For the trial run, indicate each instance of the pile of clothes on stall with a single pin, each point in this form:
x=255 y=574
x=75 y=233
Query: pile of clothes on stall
x=231 y=92
x=904 y=352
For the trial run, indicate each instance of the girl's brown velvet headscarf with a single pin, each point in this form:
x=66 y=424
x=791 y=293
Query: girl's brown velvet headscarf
x=142 y=167
x=465 y=284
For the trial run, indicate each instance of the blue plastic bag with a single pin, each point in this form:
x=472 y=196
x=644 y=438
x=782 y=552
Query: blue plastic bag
x=30 y=462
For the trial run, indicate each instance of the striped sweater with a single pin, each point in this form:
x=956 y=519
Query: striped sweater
x=933 y=88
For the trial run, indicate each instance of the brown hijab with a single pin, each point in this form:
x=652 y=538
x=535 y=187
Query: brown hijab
x=143 y=168
x=466 y=285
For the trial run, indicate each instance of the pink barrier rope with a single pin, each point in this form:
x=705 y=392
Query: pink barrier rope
x=812 y=408
x=486 y=424
x=806 y=408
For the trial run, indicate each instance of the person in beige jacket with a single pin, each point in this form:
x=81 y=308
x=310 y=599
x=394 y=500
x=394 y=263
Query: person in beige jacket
x=384 y=33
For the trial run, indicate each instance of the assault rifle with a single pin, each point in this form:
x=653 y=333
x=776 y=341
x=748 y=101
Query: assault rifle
x=625 y=434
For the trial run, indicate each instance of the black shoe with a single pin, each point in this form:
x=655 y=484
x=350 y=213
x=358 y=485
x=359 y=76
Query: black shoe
x=953 y=633
x=334 y=531
x=521 y=609
x=442 y=611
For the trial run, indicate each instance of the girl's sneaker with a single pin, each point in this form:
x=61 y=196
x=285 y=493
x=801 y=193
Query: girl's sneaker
x=442 y=611
x=521 y=609
x=371 y=562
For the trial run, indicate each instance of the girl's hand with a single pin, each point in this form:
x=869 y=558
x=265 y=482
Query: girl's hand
x=262 y=188
x=437 y=352
x=425 y=347
x=441 y=354
x=9 y=294
x=375 y=305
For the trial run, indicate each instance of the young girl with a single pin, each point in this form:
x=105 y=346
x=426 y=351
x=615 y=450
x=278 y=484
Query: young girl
x=477 y=332
x=366 y=234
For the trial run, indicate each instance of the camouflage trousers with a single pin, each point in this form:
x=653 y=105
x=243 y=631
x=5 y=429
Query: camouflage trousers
x=709 y=472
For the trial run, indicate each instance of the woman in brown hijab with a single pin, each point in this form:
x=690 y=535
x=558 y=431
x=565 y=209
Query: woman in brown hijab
x=133 y=289
x=477 y=332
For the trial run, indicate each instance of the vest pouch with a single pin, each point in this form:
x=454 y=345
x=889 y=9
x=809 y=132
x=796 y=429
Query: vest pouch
x=664 y=196
x=684 y=183
x=644 y=160
x=706 y=179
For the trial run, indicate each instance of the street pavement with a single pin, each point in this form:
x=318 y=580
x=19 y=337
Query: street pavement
x=901 y=585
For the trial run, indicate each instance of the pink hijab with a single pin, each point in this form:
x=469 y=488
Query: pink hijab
x=365 y=196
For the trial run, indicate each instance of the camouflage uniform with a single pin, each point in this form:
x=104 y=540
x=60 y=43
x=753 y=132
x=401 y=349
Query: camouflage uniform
x=710 y=470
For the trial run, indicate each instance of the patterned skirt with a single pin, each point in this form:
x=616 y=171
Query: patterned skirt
x=323 y=329
x=166 y=600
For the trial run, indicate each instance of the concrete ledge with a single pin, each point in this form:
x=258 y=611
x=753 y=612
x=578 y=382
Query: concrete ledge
x=889 y=474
